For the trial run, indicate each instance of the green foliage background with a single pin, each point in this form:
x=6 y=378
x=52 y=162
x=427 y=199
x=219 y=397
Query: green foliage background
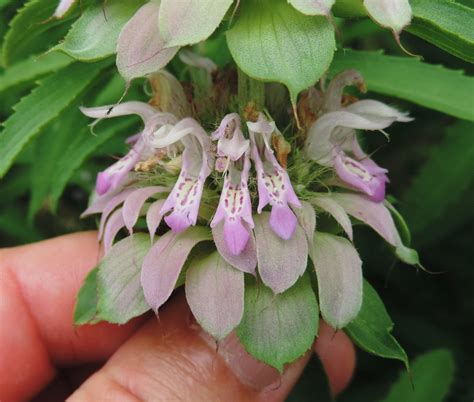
x=431 y=164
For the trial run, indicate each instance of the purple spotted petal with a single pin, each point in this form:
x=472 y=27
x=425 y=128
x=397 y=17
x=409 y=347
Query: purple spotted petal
x=185 y=197
x=140 y=47
x=112 y=227
x=280 y=262
x=154 y=217
x=215 y=294
x=246 y=260
x=234 y=206
x=374 y=214
x=115 y=175
x=274 y=185
x=339 y=271
x=332 y=207
x=134 y=203
x=359 y=177
x=163 y=263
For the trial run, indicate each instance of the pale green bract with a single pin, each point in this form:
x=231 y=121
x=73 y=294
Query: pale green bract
x=313 y=7
x=393 y=14
x=187 y=21
x=94 y=35
x=271 y=41
x=278 y=329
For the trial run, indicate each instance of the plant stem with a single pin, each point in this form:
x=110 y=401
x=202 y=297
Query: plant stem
x=250 y=91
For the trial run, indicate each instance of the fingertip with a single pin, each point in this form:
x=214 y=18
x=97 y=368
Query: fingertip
x=338 y=357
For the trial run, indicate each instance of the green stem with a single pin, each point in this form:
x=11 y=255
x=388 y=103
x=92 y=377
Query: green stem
x=249 y=90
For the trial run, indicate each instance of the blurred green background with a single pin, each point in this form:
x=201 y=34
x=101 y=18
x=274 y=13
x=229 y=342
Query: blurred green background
x=432 y=181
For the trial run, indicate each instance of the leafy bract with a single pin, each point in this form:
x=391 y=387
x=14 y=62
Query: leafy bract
x=119 y=291
x=443 y=180
x=86 y=300
x=32 y=68
x=371 y=329
x=163 y=264
x=140 y=47
x=410 y=79
x=94 y=35
x=339 y=271
x=32 y=30
x=215 y=294
x=393 y=14
x=278 y=329
x=271 y=41
x=313 y=7
x=186 y=22
x=33 y=112
x=280 y=262
x=446 y=24
x=429 y=380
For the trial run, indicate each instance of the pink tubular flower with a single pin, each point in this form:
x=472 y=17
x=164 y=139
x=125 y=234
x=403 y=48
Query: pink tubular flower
x=274 y=186
x=234 y=203
x=116 y=174
x=185 y=198
x=332 y=139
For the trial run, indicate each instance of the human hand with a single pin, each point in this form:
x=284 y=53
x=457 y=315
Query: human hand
x=146 y=359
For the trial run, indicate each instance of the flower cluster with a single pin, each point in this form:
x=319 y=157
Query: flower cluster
x=236 y=181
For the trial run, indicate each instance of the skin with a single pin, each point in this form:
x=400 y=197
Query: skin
x=45 y=358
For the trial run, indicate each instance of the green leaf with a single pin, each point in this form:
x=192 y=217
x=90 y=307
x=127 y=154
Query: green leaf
x=271 y=41
x=67 y=142
x=119 y=290
x=277 y=329
x=86 y=300
x=410 y=79
x=41 y=106
x=29 y=69
x=32 y=30
x=371 y=329
x=431 y=377
x=446 y=24
x=442 y=181
x=94 y=35
x=186 y=22
x=49 y=150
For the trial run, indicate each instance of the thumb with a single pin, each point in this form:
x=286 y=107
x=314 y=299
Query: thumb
x=172 y=359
